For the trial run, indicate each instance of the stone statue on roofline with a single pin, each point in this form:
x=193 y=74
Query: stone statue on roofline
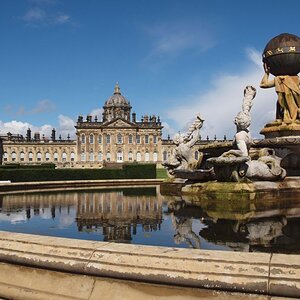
x=240 y=164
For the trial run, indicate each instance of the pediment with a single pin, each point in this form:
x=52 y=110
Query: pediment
x=119 y=123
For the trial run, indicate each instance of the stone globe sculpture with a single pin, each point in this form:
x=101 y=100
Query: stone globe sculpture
x=282 y=55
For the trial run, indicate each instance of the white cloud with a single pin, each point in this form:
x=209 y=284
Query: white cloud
x=13 y=217
x=65 y=127
x=221 y=103
x=44 y=105
x=61 y=19
x=97 y=112
x=41 y=14
x=34 y=14
x=168 y=130
x=169 y=40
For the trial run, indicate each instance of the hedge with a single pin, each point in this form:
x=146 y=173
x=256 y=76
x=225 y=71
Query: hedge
x=18 y=166
x=130 y=171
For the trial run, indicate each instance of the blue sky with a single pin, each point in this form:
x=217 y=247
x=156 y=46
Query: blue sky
x=61 y=58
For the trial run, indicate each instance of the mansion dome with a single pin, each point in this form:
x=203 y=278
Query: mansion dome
x=117 y=99
x=116 y=106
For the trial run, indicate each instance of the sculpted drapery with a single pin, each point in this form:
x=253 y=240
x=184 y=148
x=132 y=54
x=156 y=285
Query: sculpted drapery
x=288 y=91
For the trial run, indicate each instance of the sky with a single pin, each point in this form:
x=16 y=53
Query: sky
x=61 y=58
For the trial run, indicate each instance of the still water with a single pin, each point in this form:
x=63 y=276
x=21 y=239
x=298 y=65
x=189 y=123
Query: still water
x=144 y=216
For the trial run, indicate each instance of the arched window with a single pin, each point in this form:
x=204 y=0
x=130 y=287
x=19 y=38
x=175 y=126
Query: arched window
x=138 y=139
x=196 y=155
x=100 y=139
x=47 y=156
x=83 y=139
x=155 y=139
x=165 y=155
x=72 y=156
x=91 y=139
x=107 y=139
x=64 y=156
x=138 y=156
x=30 y=156
x=5 y=156
x=22 y=156
x=146 y=139
x=130 y=156
x=108 y=156
x=119 y=156
x=130 y=139
x=100 y=156
x=147 y=156
x=39 y=156
x=13 y=156
x=55 y=156
x=155 y=156
x=119 y=138
x=83 y=156
x=91 y=156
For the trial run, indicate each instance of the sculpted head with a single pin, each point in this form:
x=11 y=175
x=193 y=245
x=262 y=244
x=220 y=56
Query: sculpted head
x=250 y=91
x=177 y=139
x=242 y=120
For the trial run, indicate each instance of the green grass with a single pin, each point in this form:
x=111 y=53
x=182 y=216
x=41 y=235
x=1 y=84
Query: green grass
x=161 y=173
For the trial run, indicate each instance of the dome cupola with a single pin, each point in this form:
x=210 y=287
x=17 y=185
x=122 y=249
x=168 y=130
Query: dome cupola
x=116 y=106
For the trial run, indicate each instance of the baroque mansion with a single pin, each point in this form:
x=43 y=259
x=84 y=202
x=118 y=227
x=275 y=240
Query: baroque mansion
x=115 y=138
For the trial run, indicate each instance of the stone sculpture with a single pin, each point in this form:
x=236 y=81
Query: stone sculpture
x=288 y=91
x=183 y=158
x=281 y=58
x=239 y=164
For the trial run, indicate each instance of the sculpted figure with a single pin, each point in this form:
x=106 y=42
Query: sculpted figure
x=183 y=158
x=237 y=164
x=288 y=91
x=242 y=139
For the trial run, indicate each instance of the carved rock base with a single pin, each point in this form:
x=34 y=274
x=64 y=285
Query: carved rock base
x=280 y=129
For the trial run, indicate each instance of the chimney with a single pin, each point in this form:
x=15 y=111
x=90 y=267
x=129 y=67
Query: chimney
x=37 y=137
x=28 y=135
x=53 y=135
x=134 y=117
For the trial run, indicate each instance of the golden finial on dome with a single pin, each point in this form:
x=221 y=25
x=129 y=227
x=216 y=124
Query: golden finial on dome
x=117 y=89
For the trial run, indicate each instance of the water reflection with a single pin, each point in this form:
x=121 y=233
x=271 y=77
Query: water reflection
x=118 y=213
x=143 y=216
x=271 y=225
x=114 y=214
x=182 y=217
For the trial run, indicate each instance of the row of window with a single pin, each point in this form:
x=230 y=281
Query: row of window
x=119 y=139
x=166 y=155
x=38 y=156
x=119 y=155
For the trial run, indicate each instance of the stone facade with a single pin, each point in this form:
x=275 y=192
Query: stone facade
x=118 y=137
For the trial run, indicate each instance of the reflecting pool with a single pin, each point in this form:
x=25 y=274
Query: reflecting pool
x=144 y=216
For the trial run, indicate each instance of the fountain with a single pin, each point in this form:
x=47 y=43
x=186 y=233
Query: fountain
x=268 y=165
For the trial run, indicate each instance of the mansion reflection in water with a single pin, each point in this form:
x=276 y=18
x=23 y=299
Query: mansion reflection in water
x=113 y=213
x=267 y=225
x=118 y=214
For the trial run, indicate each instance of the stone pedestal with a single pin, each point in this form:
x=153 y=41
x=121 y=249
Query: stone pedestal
x=287 y=148
x=281 y=129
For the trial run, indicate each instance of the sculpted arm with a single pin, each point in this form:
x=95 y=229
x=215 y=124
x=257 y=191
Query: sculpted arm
x=265 y=82
x=194 y=138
